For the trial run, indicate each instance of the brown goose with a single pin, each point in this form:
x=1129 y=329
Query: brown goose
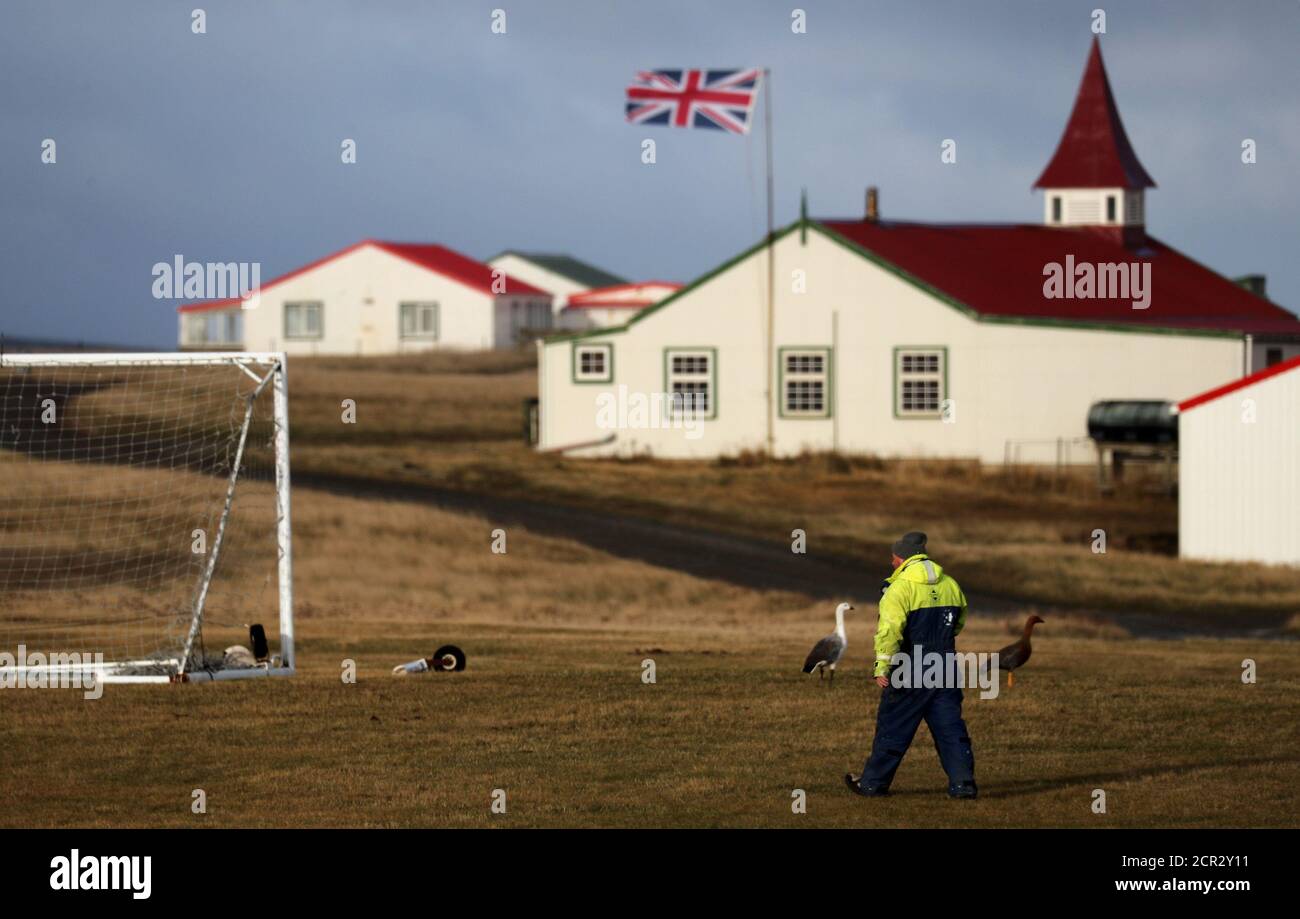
x=1015 y=655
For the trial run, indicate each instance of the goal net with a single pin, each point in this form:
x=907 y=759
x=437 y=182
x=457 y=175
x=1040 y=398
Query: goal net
x=144 y=516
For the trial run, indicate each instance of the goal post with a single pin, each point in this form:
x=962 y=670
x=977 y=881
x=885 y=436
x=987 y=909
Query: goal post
x=145 y=531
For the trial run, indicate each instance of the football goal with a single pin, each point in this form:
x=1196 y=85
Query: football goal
x=144 y=517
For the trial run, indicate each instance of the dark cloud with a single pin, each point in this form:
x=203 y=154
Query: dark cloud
x=225 y=146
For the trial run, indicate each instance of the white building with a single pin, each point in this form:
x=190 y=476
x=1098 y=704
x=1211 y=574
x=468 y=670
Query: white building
x=604 y=307
x=561 y=276
x=1239 y=469
x=375 y=297
x=911 y=339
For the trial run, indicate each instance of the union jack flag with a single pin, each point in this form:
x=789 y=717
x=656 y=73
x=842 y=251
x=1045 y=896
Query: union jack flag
x=718 y=99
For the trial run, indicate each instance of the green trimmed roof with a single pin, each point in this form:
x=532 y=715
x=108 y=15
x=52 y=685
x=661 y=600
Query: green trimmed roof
x=832 y=231
x=569 y=267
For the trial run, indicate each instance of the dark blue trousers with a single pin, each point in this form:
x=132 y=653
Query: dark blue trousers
x=900 y=714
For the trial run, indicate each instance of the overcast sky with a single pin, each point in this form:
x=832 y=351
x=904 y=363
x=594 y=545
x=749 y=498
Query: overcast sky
x=226 y=146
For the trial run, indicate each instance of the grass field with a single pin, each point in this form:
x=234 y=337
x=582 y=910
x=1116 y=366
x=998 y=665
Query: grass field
x=552 y=708
x=1025 y=534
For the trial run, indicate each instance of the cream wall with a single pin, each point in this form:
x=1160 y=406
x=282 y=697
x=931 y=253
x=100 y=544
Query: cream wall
x=559 y=286
x=1007 y=381
x=1260 y=348
x=361 y=292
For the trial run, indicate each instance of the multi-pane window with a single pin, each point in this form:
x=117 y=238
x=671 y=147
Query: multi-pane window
x=419 y=320
x=691 y=381
x=805 y=383
x=303 y=320
x=528 y=317
x=920 y=376
x=593 y=363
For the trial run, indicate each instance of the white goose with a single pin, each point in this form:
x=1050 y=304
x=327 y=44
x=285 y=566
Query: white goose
x=828 y=651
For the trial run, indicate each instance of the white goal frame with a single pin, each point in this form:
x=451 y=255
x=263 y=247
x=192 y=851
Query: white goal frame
x=266 y=368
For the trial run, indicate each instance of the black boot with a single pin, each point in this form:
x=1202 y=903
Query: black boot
x=963 y=790
x=857 y=789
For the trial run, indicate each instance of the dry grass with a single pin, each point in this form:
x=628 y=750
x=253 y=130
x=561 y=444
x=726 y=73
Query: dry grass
x=552 y=709
x=424 y=401
x=455 y=421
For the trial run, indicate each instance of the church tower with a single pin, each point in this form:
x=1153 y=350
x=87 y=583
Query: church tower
x=1094 y=180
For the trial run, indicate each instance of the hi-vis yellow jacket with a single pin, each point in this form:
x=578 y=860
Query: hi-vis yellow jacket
x=921 y=606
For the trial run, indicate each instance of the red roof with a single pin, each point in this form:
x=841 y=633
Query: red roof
x=997 y=270
x=608 y=297
x=438 y=259
x=1235 y=385
x=1094 y=151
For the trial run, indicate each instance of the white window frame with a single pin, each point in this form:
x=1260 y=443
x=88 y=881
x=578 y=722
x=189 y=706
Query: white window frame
x=291 y=306
x=788 y=376
x=419 y=308
x=605 y=374
x=935 y=371
x=676 y=374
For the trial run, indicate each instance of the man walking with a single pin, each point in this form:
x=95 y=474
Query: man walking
x=921 y=612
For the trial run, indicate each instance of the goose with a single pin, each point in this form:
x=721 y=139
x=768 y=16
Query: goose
x=1016 y=654
x=828 y=651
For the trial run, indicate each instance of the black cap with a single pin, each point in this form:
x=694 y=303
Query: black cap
x=911 y=544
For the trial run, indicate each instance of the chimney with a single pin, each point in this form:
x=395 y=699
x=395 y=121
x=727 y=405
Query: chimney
x=873 y=203
x=1256 y=284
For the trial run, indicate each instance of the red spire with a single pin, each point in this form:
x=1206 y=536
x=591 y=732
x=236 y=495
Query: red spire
x=1094 y=151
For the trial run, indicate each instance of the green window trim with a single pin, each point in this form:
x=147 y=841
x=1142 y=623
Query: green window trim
x=575 y=357
x=828 y=375
x=713 y=374
x=897 y=391
x=320 y=310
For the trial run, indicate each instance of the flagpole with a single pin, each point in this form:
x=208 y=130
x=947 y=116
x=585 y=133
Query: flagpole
x=771 y=264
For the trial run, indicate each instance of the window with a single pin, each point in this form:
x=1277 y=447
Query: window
x=593 y=363
x=234 y=330
x=921 y=382
x=1133 y=207
x=805 y=382
x=691 y=380
x=225 y=328
x=528 y=317
x=1110 y=209
x=1272 y=356
x=419 y=320
x=1056 y=208
x=303 y=320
